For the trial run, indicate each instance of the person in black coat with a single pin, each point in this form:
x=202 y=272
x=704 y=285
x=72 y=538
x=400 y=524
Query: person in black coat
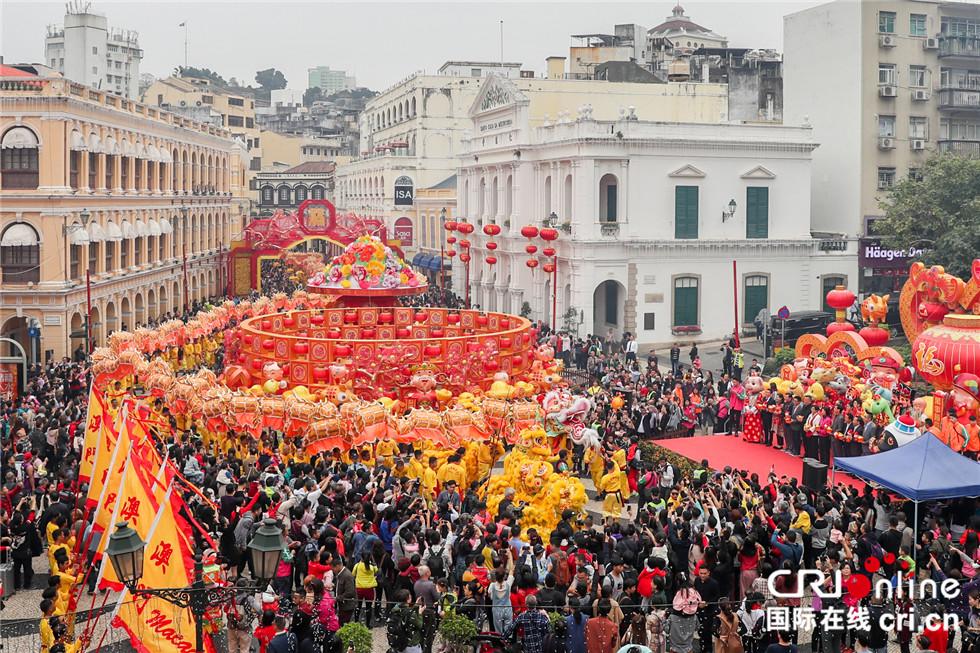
x=25 y=544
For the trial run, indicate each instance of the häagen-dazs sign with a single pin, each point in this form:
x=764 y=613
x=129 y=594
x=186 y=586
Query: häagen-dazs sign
x=872 y=254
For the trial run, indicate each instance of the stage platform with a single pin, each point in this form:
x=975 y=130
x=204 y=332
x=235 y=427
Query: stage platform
x=723 y=450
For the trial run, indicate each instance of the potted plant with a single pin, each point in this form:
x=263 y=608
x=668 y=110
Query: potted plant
x=526 y=310
x=357 y=635
x=457 y=633
x=566 y=227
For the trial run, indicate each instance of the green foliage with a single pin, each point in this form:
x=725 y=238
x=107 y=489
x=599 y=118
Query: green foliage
x=311 y=95
x=270 y=79
x=526 y=310
x=685 y=466
x=357 y=634
x=940 y=212
x=205 y=73
x=784 y=355
x=457 y=630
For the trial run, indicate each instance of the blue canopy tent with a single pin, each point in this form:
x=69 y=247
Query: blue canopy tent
x=925 y=469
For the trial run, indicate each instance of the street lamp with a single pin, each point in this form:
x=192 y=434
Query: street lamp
x=126 y=550
x=442 y=255
x=730 y=212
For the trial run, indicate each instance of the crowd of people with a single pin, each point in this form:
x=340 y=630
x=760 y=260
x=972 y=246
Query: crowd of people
x=385 y=537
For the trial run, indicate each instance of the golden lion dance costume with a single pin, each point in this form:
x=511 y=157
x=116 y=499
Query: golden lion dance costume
x=547 y=494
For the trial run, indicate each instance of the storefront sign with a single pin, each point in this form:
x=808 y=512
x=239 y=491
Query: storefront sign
x=872 y=254
x=404 y=231
x=404 y=191
x=8 y=381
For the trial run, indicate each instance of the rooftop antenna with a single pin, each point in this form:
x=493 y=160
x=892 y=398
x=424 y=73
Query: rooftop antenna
x=501 y=42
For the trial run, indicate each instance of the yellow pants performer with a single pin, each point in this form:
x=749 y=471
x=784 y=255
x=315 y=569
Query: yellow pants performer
x=612 y=505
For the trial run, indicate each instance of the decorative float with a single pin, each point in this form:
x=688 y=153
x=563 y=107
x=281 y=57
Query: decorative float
x=367 y=272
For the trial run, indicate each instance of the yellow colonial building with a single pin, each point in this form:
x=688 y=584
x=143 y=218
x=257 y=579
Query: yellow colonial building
x=108 y=207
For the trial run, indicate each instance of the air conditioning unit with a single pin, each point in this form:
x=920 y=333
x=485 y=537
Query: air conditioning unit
x=886 y=143
x=198 y=103
x=886 y=41
x=920 y=94
x=888 y=91
x=930 y=44
x=183 y=103
x=918 y=144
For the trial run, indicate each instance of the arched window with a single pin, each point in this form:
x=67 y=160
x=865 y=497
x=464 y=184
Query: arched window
x=481 y=200
x=413 y=107
x=18 y=161
x=508 y=196
x=300 y=193
x=566 y=205
x=756 y=296
x=20 y=252
x=284 y=194
x=267 y=194
x=317 y=192
x=686 y=301
x=608 y=198
x=493 y=199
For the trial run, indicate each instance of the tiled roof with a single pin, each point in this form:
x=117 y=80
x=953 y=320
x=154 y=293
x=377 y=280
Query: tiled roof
x=311 y=167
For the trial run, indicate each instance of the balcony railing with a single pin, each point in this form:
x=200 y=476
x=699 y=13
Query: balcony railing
x=609 y=228
x=960 y=147
x=968 y=99
x=959 y=46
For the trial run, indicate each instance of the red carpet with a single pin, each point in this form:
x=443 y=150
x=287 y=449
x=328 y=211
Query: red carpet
x=722 y=450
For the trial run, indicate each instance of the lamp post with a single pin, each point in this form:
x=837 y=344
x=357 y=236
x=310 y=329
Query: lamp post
x=550 y=234
x=85 y=216
x=126 y=550
x=183 y=241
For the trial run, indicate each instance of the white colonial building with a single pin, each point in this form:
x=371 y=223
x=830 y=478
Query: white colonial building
x=651 y=217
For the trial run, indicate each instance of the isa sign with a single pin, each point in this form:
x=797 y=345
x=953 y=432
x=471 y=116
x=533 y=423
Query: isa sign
x=404 y=191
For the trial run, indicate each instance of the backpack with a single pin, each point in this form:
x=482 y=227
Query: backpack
x=398 y=627
x=559 y=567
x=436 y=563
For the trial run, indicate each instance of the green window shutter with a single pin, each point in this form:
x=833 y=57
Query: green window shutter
x=756 y=297
x=757 y=212
x=686 y=305
x=686 y=212
x=611 y=191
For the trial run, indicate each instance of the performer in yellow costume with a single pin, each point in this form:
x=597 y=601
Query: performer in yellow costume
x=452 y=470
x=385 y=451
x=610 y=485
x=489 y=452
x=429 y=481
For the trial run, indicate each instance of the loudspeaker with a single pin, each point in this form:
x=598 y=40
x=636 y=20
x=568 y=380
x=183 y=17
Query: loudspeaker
x=814 y=474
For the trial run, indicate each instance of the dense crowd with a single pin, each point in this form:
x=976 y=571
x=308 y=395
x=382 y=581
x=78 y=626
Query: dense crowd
x=384 y=536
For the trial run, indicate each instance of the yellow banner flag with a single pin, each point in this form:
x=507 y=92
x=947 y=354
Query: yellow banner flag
x=94 y=436
x=110 y=456
x=154 y=625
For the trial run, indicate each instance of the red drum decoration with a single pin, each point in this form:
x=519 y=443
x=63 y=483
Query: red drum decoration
x=450 y=225
x=548 y=234
x=491 y=229
x=531 y=249
x=491 y=245
x=529 y=231
x=491 y=260
x=945 y=350
x=532 y=263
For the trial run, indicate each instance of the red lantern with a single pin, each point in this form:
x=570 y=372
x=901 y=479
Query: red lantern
x=491 y=245
x=268 y=343
x=517 y=360
x=532 y=263
x=531 y=249
x=317 y=319
x=385 y=317
x=450 y=253
x=288 y=321
x=402 y=332
x=472 y=347
x=491 y=365
x=368 y=333
x=320 y=373
x=834 y=327
x=505 y=323
x=453 y=318
x=421 y=316
x=342 y=350
x=350 y=317
x=451 y=240
x=266 y=325
x=549 y=234
x=481 y=320
x=491 y=260
x=247 y=338
x=257 y=363
x=874 y=336
x=505 y=342
x=840 y=298
x=333 y=333
x=437 y=332
x=945 y=350
x=450 y=225
x=301 y=348
x=548 y=267
x=491 y=229
x=432 y=350
x=465 y=244
x=464 y=228
x=549 y=251
x=529 y=231
x=464 y=257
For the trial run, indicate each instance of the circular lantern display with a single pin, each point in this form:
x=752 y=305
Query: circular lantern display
x=549 y=234
x=491 y=245
x=549 y=251
x=491 y=229
x=491 y=260
x=531 y=249
x=532 y=263
x=529 y=231
x=945 y=350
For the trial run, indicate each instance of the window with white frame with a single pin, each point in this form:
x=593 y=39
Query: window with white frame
x=918 y=127
x=886 y=126
x=917 y=24
x=886 y=73
x=886 y=178
x=886 y=22
x=917 y=76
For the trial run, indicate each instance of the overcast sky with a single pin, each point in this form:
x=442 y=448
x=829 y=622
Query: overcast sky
x=379 y=42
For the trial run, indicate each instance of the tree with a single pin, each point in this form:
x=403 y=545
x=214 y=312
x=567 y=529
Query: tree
x=270 y=79
x=939 y=212
x=311 y=95
x=203 y=73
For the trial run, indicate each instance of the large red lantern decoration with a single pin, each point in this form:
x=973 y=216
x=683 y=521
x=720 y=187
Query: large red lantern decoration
x=548 y=267
x=465 y=244
x=945 y=350
x=451 y=240
x=464 y=257
x=548 y=234
x=491 y=260
x=491 y=229
x=464 y=228
x=549 y=251
x=450 y=253
x=840 y=299
x=531 y=249
x=529 y=231
x=450 y=225
x=491 y=245
x=532 y=263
